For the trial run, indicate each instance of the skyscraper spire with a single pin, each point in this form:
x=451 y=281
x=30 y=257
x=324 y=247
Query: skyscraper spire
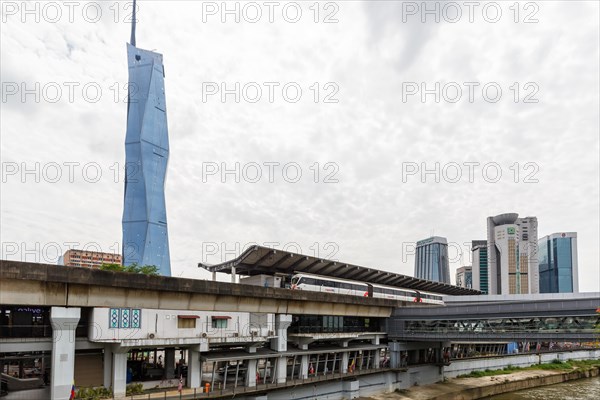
x=132 y=41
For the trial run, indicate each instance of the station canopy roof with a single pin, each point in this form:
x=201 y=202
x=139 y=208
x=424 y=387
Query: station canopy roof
x=258 y=260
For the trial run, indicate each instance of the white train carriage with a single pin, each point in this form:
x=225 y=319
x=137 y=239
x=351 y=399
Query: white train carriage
x=318 y=283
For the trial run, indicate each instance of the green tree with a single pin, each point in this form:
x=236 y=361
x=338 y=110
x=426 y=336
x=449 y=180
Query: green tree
x=133 y=268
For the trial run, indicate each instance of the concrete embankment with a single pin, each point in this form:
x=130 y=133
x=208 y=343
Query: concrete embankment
x=478 y=388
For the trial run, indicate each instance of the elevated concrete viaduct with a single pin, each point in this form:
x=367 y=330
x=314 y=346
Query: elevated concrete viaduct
x=35 y=284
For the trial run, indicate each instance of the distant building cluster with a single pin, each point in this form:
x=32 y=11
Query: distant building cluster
x=89 y=259
x=511 y=261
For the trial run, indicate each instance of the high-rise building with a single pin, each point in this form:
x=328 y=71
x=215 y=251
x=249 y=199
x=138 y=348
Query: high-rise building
x=512 y=254
x=479 y=258
x=89 y=259
x=145 y=235
x=431 y=260
x=558 y=263
x=464 y=276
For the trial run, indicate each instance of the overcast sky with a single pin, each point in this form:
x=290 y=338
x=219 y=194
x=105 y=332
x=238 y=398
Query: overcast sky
x=361 y=147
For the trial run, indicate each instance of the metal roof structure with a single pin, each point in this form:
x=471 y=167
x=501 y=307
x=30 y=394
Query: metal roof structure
x=258 y=260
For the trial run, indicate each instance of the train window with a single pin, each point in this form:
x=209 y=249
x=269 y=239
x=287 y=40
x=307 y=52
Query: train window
x=295 y=280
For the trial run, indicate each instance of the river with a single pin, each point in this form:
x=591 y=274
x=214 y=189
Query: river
x=581 y=389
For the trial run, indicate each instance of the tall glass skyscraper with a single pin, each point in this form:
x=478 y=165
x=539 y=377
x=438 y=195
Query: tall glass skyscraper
x=431 y=260
x=145 y=236
x=558 y=263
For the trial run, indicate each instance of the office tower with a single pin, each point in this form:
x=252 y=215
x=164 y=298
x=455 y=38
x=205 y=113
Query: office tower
x=89 y=259
x=512 y=254
x=558 y=263
x=480 y=265
x=145 y=236
x=464 y=276
x=431 y=260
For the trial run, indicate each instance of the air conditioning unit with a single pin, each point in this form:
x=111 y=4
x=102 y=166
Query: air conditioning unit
x=204 y=334
x=236 y=334
x=253 y=332
x=151 y=335
x=271 y=333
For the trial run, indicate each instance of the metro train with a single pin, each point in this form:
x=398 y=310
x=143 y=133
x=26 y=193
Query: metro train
x=318 y=283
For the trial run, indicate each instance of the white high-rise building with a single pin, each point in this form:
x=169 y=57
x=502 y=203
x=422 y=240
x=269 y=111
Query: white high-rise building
x=512 y=254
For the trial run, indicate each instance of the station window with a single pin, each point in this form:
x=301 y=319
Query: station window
x=187 y=321
x=219 y=322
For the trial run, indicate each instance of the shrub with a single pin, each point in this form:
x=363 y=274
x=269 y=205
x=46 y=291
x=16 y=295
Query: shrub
x=93 y=393
x=134 y=388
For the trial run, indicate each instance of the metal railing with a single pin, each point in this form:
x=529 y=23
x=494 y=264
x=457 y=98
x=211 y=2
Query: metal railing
x=199 y=393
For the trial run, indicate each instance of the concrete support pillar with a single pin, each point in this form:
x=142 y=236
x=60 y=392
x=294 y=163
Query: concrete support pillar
x=251 y=373
x=281 y=369
x=351 y=388
x=119 y=374
x=395 y=355
x=214 y=276
x=282 y=322
x=233 y=275
x=169 y=363
x=376 y=358
x=304 y=367
x=108 y=358
x=64 y=322
x=345 y=361
x=194 y=372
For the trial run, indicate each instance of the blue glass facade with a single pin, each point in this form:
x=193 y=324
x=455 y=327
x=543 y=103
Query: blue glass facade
x=431 y=261
x=556 y=265
x=145 y=235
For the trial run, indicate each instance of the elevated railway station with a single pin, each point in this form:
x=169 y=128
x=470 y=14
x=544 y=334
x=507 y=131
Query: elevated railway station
x=259 y=260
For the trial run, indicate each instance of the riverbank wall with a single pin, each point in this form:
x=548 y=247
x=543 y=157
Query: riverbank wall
x=507 y=385
x=462 y=367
